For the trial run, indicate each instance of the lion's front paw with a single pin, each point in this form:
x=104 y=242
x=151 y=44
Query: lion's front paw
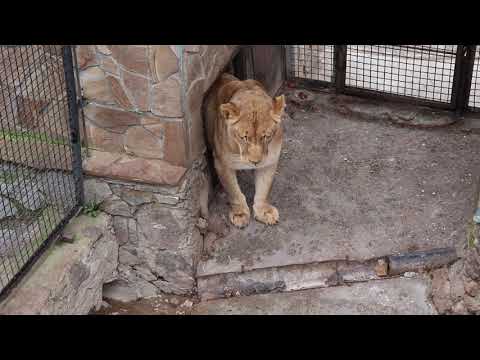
x=266 y=213
x=240 y=216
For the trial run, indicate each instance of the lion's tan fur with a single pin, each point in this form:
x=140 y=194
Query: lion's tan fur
x=244 y=132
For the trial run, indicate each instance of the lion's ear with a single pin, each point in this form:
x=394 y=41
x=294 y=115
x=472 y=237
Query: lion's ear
x=278 y=107
x=230 y=112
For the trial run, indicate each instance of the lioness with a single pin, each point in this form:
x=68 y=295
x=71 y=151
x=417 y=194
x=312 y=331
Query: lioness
x=244 y=131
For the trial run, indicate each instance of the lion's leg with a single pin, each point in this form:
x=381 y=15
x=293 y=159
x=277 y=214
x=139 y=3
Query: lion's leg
x=262 y=210
x=239 y=211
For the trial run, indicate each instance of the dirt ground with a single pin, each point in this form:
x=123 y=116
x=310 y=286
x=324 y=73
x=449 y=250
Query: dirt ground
x=346 y=188
x=355 y=189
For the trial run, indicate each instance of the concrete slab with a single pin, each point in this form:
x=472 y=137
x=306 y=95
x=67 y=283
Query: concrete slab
x=355 y=189
x=399 y=296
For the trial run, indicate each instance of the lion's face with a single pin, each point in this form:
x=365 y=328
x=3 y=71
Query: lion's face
x=252 y=125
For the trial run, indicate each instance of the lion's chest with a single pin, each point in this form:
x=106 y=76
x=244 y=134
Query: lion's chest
x=235 y=162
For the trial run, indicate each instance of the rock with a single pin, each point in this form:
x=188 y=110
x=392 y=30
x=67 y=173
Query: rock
x=165 y=98
x=174 y=143
x=441 y=290
x=132 y=57
x=70 y=277
x=218 y=225
x=104 y=49
x=111 y=119
x=187 y=304
x=123 y=227
x=455 y=275
x=125 y=292
x=85 y=56
x=472 y=288
x=118 y=93
x=124 y=167
x=459 y=308
x=102 y=139
x=138 y=87
x=7 y=208
x=164 y=62
x=96 y=191
x=95 y=85
x=134 y=197
x=202 y=225
x=31 y=199
x=119 y=291
x=105 y=305
x=110 y=66
x=116 y=207
x=145 y=141
x=128 y=256
x=381 y=267
x=472 y=303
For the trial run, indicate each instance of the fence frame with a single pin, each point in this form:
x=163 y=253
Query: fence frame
x=460 y=91
x=74 y=108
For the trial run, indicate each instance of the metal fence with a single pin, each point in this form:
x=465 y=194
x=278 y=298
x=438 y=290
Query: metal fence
x=40 y=153
x=444 y=76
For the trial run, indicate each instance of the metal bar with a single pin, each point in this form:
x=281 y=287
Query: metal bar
x=312 y=84
x=395 y=98
x=288 y=50
x=73 y=122
x=80 y=99
x=468 y=74
x=340 y=66
x=457 y=94
x=463 y=78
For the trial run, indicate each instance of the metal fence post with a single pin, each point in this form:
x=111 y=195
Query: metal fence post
x=340 y=65
x=73 y=122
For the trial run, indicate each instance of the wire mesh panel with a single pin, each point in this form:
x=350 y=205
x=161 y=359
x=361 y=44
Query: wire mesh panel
x=419 y=71
x=474 y=99
x=314 y=62
x=40 y=170
x=424 y=73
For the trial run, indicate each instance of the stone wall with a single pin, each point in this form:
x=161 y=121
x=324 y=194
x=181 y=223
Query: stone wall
x=146 y=166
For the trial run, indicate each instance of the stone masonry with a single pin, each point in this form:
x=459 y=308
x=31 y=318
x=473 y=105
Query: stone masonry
x=145 y=165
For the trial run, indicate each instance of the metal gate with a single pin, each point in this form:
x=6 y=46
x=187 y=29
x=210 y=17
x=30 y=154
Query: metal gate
x=40 y=153
x=442 y=76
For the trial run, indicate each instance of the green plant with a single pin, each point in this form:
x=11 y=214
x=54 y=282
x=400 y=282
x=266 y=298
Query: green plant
x=471 y=239
x=91 y=209
x=29 y=136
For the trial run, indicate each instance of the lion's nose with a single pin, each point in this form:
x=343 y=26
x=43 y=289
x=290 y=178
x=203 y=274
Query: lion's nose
x=255 y=162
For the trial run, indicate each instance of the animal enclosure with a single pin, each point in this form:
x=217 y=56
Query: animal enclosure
x=444 y=76
x=40 y=163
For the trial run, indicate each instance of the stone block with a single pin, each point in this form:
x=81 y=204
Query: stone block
x=118 y=93
x=68 y=280
x=165 y=98
x=145 y=141
x=95 y=85
x=138 y=87
x=96 y=191
x=114 y=120
x=124 y=167
x=174 y=143
x=86 y=56
x=102 y=139
x=163 y=62
x=132 y=57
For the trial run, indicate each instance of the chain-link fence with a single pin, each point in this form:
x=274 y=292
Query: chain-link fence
x=40 y=160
